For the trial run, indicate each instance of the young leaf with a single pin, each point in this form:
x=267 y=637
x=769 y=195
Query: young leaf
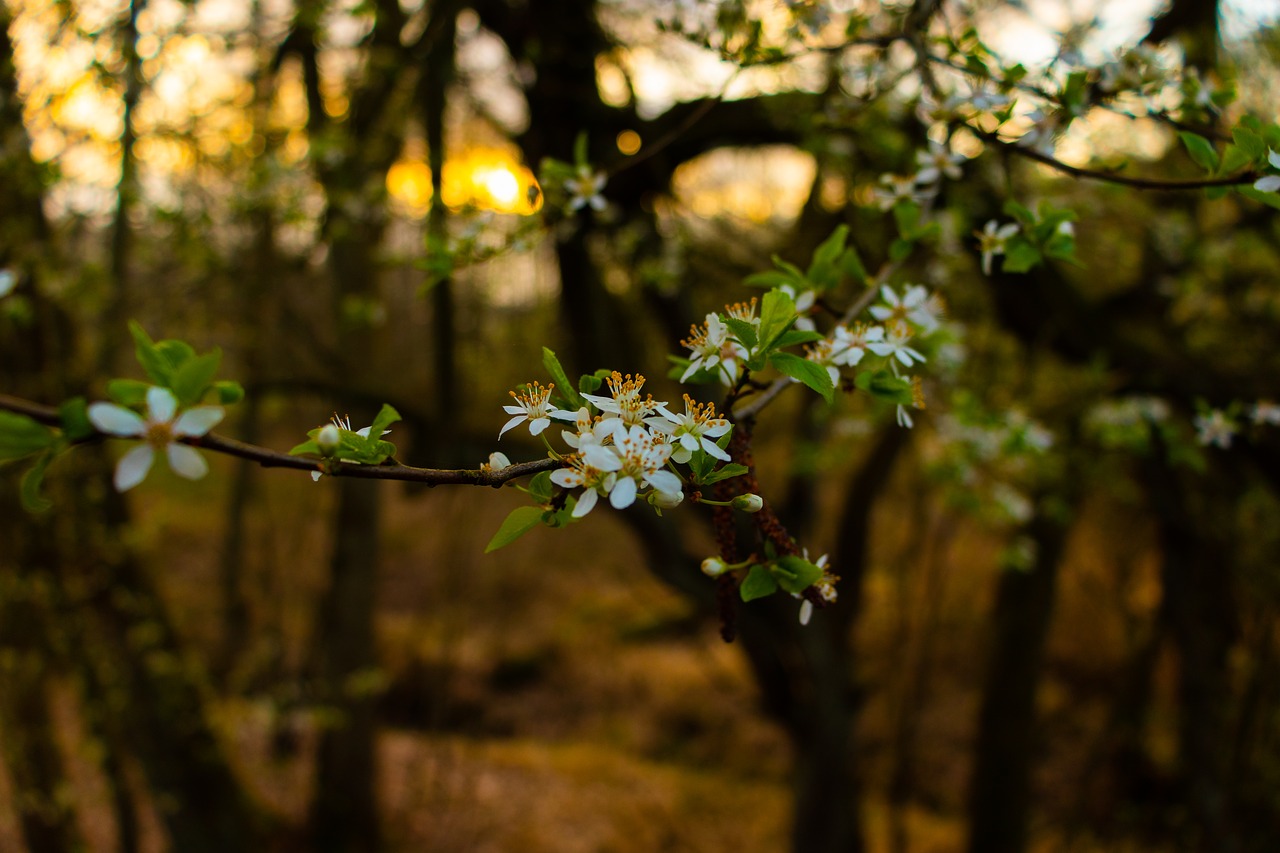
x=386 y=417
x=129 y=393
x=155 y=365
x=21 y=436
x=193 y=377
x=757 y=584
x=74 y=414
x=851 y=265
x=521 y=520
x=1020 y=256
x=771 y=278
x=729 y=469
x=795 y=574
x=228 y=392
x=558 y=376
x=884 y=385
x=777 y=313
x=32 y=500
x=796 y=336
x=1200 y=149
x=743 y=331
x=811 y=374
x=540 y=487
x=824 y=257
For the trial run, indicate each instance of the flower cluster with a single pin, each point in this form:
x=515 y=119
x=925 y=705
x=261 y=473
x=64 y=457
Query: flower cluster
x=935 y=163
x=902 y=318
x=714 y=349
x=623 y=443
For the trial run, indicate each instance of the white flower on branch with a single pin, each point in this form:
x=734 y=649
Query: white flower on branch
x=159 y=430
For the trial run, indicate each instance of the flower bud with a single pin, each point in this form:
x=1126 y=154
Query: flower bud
x=666 y=500
x=748 y=503
x=329 y=438
x=498 y=460
x=713 y=567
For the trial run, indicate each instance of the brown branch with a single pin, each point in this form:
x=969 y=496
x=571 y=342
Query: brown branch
x=1111 y=177
x=268 y=458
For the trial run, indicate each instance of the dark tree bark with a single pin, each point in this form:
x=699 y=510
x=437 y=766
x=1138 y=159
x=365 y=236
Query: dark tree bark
x=1000 y=792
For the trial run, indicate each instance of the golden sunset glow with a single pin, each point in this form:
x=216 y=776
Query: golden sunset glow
x=487 y=178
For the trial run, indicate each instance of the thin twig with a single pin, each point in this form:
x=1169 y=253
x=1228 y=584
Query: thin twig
x=268 y=458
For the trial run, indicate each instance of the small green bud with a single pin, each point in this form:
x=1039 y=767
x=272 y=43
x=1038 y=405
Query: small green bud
x=713 y=567
x=665 y=500
x=748 y=503
x=328 y=439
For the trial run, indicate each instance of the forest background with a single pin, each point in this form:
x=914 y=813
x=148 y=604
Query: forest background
x=1056 y=623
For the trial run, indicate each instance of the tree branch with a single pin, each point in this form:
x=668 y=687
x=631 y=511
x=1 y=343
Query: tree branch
x=268 y=458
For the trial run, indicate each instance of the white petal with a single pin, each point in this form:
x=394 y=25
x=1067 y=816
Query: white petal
x=806 y=611
x=623 y=494
x=1269 y=184
x=161 y=404
x=517 y=419
x=664 y=481
x=567 y=478
x=198 y=421
x=537 y=425
x=133 y=467
x=1273 y=157
x=116 y=420
x=586 y=502
x=601 y=458
x=315 y=476
x=713 y=449
x=186 y=461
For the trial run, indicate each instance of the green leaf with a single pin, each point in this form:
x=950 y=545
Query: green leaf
x=729 y=469
x=21 y=436
x=796 y=336
x=228 y=392
x=771 y=278
x=521 y=520
x=540 y=487
x=1235 y=158
x=175 y=353
x=795 y=574
x=558 y=376
x=1269 y=199
x=825 y=256
x=129 y=393
x=75 y=419
x=1200 y=149
x=1020 y=213
x=796 y=274
x=155 y=365
x=777 y=313
x=1250 y=142
x=757 y=584
x=387 y=415
x=884 y=385
x=811 y=374
x=1020 y=256
x=194 y=376
x=851 y=265
x=900 y=250
x=742 y=330
x=32 y=500
x=307 y=447
x=907 y=216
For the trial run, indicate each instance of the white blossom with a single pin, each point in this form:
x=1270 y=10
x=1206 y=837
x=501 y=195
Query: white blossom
x=159 y=430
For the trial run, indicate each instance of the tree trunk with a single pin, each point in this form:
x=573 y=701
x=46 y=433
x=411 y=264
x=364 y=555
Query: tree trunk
x=1000 y=795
